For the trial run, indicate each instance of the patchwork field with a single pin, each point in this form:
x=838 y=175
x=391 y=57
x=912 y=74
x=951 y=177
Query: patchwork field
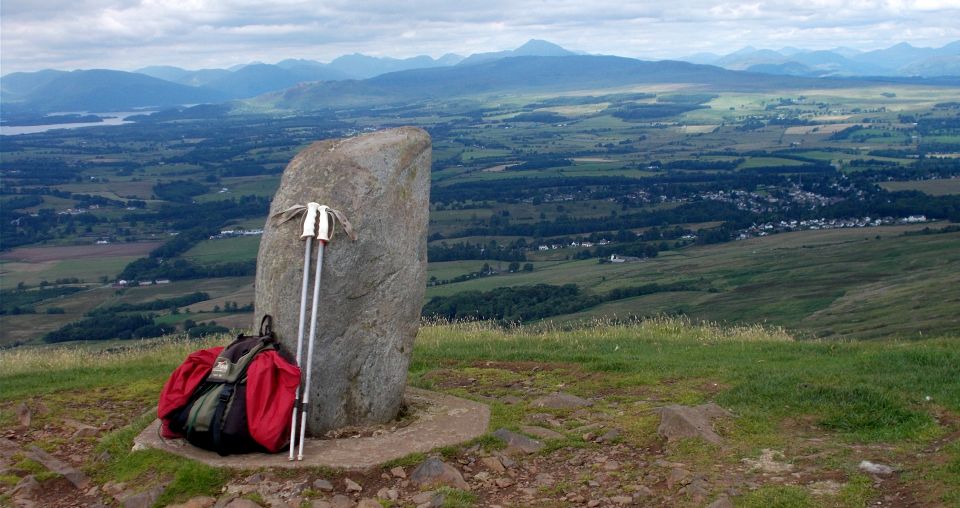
x=829 y=128
x=674 y=170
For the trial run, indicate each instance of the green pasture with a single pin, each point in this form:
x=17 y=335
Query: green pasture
x=939 y=187
x=242 y=186
x=444 y=270
x=524 y=212
x=119 y=189
x=846 y=157
x=759 y=162
x=87 y=269
x=249 y=223
x=225 y=250
x=562 y=171
x=942 y=139
x=477 y=239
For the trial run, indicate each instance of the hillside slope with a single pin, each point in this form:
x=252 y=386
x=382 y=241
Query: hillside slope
x=107 y=90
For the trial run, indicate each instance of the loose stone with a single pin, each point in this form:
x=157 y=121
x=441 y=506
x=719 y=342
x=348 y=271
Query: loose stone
x=351 y=485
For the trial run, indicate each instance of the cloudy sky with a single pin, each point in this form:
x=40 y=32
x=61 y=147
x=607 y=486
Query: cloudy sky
x=130 y=34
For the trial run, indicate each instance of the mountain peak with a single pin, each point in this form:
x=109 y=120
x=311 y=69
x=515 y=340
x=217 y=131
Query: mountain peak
x=533 y=47
x=539 y=47
x=744 y=51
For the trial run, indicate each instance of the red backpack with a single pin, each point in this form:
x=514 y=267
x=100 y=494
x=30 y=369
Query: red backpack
x=257 y=418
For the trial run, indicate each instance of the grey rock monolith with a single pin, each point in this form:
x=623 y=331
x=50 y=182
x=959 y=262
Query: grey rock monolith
x=371 y=289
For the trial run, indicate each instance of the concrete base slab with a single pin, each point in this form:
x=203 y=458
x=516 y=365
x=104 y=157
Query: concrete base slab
x=440 y=420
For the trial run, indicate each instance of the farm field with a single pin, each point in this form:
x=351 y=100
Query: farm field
x=932 y=187
x=225 y=249
x=89 y=263
x=45 y=254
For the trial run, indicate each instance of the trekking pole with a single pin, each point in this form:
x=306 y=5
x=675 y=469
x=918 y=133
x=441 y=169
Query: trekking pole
x=324 y=231
x=309 y=232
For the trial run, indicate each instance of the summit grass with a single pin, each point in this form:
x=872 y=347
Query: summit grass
x=902 y=397
x=869 y=390
x=866 y=391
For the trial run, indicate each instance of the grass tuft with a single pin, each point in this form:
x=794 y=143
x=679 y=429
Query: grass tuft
x=413 y=459
x=456 y=498
x=857 y=492
x=781 y=496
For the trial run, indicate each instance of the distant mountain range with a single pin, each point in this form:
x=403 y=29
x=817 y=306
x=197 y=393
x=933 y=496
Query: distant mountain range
x=901 y=60
x=360 y=79
x=522 y=73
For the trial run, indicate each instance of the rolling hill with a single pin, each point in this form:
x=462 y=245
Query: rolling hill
x=16 y=86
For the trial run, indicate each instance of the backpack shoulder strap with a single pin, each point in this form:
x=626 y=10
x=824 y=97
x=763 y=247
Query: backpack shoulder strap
x=266 y=326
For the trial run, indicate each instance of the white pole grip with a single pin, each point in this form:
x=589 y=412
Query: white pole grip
x=310 y=220
x=325 y=225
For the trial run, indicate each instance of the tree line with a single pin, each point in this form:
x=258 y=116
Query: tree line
x=528 y=303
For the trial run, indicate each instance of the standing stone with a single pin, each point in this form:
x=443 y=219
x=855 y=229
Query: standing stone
x=371 y=289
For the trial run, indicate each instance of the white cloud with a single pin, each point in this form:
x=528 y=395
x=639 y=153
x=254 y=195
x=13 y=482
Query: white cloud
x=129 y=34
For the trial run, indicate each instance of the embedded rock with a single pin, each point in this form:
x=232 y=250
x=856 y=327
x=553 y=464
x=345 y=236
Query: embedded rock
x=371 y=289
x=72 y=474
x=434 y=471
x=518 y=443
x=541 y=432
x=560 y=400
x=196 y=502
x=144 y=499
x=23 y=414
x=680 y=422
x=875 y=468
